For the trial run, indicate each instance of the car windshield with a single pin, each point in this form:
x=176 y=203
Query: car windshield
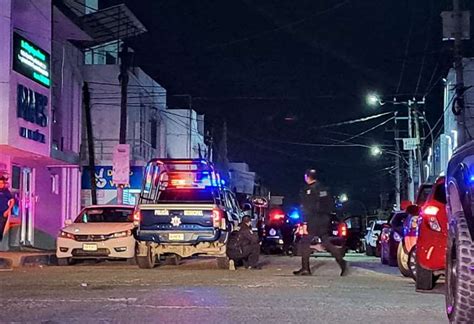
x=105 y=215
x=423 y=194
x=440 y=194
x=183 y=195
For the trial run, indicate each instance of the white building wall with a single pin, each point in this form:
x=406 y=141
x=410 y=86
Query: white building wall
x=183 y=136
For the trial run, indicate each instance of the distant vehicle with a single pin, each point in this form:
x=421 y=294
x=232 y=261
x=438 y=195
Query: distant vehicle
x=272 y=234
x=372 y=243
x=98 y=232
x=460 y=249
x=390 y=238
x=355 y=233
x=183 y=210
x=430 y=258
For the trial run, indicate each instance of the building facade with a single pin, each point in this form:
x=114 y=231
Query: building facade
x=40 y=101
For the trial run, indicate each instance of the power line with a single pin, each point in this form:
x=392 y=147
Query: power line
x=407 y=46
x=267 y=32
x=353 y=121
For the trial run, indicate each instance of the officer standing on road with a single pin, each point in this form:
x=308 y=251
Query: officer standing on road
x=6 y=202
x=316 y=205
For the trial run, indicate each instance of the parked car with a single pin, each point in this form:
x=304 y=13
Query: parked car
x=407 y=248
x=183 y=210
x=372 y=242
x=355 y=233
x=460 y=249
x=430 y=258
x=98 y=232
x=390 y=238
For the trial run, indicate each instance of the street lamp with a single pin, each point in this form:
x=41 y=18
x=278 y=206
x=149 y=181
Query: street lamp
x=373 y=99
x=375 y=150
x=343 y=198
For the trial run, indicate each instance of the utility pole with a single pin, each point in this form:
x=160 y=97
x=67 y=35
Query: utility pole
x=90 y=140
x=459 y=101
x=419 y=158
x=397 y=166
x=411 y=182
x=123 y=79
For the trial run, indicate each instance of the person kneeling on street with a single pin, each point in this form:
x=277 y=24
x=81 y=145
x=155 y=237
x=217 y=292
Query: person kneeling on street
x=243 y=245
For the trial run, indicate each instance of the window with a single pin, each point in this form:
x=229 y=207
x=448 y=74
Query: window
x=154 y=133
x=183 y=195
x=440 y=194
x=105 y=215
x=16 y=174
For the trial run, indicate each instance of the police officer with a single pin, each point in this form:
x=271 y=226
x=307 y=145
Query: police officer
x=316 y=205
x=243 y=246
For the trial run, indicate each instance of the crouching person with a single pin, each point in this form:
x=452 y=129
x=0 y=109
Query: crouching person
x=243 y=246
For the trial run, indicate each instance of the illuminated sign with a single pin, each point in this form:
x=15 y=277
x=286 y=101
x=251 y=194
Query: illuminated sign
x=32 y=107
x=31 y=61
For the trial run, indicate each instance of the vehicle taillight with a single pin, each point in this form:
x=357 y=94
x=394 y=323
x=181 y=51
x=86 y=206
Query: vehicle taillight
x=136 y=217
x=434 y=224
x=278 y=216
x=431 y=210
x=342 y=230
x=218 y=218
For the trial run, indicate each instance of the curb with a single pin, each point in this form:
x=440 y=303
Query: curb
x=6 y=264
x=37 y=260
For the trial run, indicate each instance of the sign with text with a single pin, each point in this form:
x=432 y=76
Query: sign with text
x=31 y=61
x=104 y=175
x=121 y=164
x=33 y=108
x=410 y=143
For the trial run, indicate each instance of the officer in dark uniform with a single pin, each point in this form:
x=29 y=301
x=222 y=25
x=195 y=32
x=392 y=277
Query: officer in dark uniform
x=316 y=205
x=244 y=246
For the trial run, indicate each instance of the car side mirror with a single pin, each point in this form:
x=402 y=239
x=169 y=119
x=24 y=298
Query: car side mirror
x=68 y=222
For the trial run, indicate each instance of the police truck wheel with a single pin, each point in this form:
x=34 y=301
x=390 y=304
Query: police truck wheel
x=383 y=259
x=402 y=260
x=147 y=261
x=425 y=280
x=459 y=273
x=223 y=263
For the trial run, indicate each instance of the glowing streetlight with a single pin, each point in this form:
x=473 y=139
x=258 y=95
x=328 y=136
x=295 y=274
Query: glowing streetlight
x=375 y=150
x=373 y=99
x=343 y=198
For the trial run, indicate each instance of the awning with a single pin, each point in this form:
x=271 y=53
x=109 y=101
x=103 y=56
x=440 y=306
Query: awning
x=109 y=24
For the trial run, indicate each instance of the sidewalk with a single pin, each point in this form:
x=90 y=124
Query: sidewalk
x=10 y=260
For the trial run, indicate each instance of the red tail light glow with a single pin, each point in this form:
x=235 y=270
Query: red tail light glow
x=431 y=210
x=278 y=216
x=342 y=229
x=136 y=217
x=217 y=217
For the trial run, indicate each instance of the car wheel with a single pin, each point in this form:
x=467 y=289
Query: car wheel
x=425 y=280
x=146 y=261
x=459 y=273
x=65 y=262
x=412 y=262
x=369 y=250
x=223 y=263
x=402 y=261
x=392 y=261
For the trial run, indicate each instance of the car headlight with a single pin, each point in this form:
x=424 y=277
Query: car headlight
x=67 y=235
x=121 y=234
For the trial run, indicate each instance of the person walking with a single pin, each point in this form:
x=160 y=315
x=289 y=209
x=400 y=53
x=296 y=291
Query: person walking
x=6 y=202
x=316 y=206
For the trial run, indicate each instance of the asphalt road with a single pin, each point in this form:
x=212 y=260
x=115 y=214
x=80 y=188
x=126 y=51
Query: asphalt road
x=197 y=292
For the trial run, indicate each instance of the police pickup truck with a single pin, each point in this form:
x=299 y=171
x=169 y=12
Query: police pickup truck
x=183 y=210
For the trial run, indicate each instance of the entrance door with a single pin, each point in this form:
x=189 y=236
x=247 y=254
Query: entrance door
x=27 y=207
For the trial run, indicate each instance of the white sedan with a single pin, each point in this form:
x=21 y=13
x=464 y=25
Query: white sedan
x=99 y=232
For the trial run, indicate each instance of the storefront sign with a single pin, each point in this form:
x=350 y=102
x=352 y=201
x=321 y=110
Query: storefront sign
x=104 y=176
x=32 y=107
x=31 y=61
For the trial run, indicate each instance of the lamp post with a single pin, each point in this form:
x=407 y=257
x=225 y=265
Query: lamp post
x=374 y=100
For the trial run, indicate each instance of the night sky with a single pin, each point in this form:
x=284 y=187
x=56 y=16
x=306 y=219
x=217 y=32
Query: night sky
x=276 y=70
